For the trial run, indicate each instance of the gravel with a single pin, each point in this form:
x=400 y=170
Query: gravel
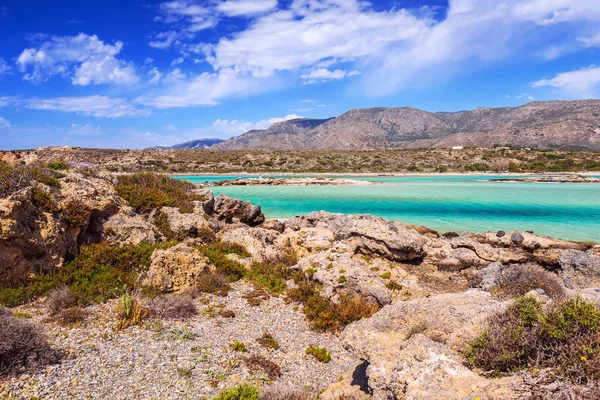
x=179 y=359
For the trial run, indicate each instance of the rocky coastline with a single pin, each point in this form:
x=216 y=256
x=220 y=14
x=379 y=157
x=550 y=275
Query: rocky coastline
x=423 y=297
x=559 y=178
x=293 y=181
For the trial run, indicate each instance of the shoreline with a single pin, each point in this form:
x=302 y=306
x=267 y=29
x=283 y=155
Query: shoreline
x=379 y=175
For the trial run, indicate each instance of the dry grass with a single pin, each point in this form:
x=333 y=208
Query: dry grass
x=172 y=306
x=59 y=300
x=23 y=347
x=259 y=363
x=563 y=338
x=279 y=391
x=520 y=280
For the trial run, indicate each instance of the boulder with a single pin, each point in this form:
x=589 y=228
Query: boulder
x=191 y=223
x=516 y=238
x=126 y=227
x=366 y=234
x=342 y=274
x=412 y=347
x=579 y=269
x=176 y=268
x=228 y=209
x=259 y=242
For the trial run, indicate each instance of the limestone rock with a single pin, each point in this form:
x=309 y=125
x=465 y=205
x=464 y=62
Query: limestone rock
x=126 y=227
x=176 y=268
x=257 y=241
x=579 y=269
x=227 y=209
x=366 y=234
x=191 y=223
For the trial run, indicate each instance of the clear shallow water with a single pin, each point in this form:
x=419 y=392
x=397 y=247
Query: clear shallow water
x=444 y=203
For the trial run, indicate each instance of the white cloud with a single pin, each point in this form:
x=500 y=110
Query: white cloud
x=170 y=127
x=580 y=82
x=246 y=7
x=93 y=61
x=95 y=106
x=194 y=16
x=309 y=101
x=307 y=109
x=324 y=75
x=235 y=127
x=5 y=100
x=3 y=67
x=175 y=76
x=547 y=12
x=4 y=123
x=591 y=41
x=164 y=40
x=155 y=74
x=206 y=89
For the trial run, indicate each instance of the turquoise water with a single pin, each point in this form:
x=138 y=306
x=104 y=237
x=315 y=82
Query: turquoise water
x=444 y=203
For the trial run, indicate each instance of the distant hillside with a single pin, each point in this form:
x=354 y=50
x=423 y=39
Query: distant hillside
x=281 y=135
x=194 y=144
x=541 y=125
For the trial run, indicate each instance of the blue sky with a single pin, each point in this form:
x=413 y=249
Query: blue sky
x=134 y=74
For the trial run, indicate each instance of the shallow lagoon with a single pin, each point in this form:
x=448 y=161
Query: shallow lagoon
x=443 y=202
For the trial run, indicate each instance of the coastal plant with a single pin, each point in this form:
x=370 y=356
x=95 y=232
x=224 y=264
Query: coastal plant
x=146 y=192
x=260 y=363
x=23 y=347
x=172 y=306
x=76 y=213
x=268 y=341
x=212 y=282
x=60 y=299
x=129 y=312
x=43 y=200
x=521 y=279
x=217 y=255
x=280 y=391
x=240 y=392
x=176 y=333
x=71 y=316
x=272 y=275
x=563 y=338
x=320 y=354
x=256 y=297
x=57 y=166
x=238 y=346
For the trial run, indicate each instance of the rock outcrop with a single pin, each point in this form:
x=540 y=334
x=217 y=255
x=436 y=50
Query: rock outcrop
x=227 y=209
x=176 y=268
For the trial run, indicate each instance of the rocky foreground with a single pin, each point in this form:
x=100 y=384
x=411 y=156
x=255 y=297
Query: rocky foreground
x=396 y=306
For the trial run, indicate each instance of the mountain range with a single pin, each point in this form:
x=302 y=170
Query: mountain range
x=563 y=125
x=193 y=144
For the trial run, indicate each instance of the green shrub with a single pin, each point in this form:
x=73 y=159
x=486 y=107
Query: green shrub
x=521 y=279
x=320 y=354
x=267 y=340
x=240 y=392
x=238 y=346
x=43 y=200
x=57 y=166
x=147 y=191
x=100 y=272
x=564 y=338
x=217 y=255
x=76 y=213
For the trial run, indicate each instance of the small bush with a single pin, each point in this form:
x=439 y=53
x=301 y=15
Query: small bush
x=564 y=338
x=267 y=340
x=217 y=255
x=260 y=363
x=256 y=297
x=43 y=200
x=147 y=191
x=23 y=348
x=172 y=306
x=177 y=333
x=283 y=392
x=319 y=353
x=76 y=213
x=214 y=283
x=57 y=166
x=129 y=312
x=240 y=392
x=227 y=314
x=71 y=316
x=238 y=346
x=393 y=285
x=521 y=279
x=60 y=299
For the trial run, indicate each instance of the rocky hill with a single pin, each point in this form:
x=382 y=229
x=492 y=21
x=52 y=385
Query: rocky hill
x=191 y=145
x=541 y=125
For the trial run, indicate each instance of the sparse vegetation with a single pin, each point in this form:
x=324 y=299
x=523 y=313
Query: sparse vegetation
x=172 y=306
x=146 y=192
x=521 y=279
x=320 y=354
x=57 y=166
x=268 y=340
x=260 y=363
x=240 y=392
x=283 y=392
x=238 y=346
x=60 y=299
x=129 y=312
x=23 y=347
x=563 y=337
